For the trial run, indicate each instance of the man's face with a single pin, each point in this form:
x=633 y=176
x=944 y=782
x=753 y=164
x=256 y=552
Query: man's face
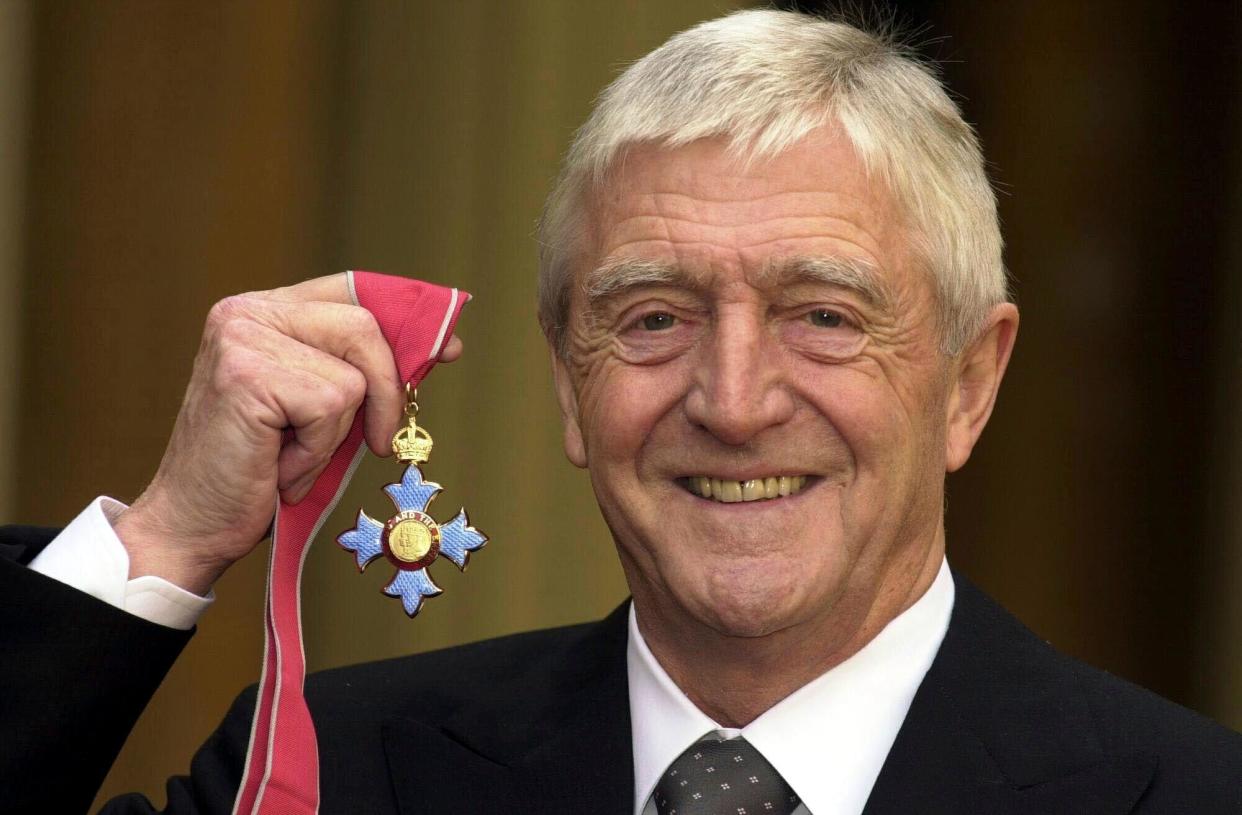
x=729 y=326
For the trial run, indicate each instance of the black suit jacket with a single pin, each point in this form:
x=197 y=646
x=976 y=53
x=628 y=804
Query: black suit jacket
x=539 y=722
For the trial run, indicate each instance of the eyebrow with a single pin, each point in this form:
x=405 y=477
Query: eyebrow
x=615 y=277
x=846 y=272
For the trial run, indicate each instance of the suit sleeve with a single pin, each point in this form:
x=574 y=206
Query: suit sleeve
x=215 y=773
x=76 y=673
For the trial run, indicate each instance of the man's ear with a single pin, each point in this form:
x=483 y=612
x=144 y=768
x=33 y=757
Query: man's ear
x=976 y=376
x=575 y=449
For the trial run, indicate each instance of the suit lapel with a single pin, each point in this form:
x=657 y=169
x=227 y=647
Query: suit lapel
x=559 y=743
x=999 y=726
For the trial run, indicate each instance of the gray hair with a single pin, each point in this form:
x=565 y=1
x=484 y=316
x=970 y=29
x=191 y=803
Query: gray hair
x=764 y=79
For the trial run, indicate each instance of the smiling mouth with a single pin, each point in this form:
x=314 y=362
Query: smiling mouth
x=728 y=491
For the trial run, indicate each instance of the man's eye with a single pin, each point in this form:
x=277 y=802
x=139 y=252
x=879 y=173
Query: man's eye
x=658 y=321
x=825 y=318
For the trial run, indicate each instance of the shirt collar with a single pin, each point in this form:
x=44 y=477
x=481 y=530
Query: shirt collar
x=829 y=738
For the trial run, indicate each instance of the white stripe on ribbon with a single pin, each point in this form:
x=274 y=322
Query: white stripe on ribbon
x=444 y=324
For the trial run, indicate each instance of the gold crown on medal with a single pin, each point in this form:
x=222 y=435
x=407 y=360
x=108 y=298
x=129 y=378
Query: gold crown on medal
x=412 y=444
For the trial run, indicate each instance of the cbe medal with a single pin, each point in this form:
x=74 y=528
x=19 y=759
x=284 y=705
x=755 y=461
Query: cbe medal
x=411 y=540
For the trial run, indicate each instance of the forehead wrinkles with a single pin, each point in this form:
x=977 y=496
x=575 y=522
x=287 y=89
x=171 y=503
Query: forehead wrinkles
x=738 y=207
x=687 y=217
x=694 y=239
x=743 y=226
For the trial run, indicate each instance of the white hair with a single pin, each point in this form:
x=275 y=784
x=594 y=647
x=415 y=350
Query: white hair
x=763 y=80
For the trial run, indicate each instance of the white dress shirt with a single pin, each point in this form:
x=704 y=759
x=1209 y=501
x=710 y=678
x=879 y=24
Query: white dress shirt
x=88 y=555
x=828 y=739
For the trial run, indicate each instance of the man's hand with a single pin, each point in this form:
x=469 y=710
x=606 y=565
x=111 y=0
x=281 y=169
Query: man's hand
x=277 y=380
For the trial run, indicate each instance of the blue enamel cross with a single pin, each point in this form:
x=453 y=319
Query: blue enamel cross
x=411 y=540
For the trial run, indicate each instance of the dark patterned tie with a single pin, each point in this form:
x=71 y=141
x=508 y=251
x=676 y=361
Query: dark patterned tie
x=719 y=776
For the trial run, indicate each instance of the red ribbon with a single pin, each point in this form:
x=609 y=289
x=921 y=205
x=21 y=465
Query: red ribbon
x=282 y=761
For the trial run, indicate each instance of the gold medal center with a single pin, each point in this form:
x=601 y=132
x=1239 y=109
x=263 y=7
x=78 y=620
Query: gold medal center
x=410 y=540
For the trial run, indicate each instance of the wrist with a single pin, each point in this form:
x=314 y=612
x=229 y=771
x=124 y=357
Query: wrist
x=156 y=549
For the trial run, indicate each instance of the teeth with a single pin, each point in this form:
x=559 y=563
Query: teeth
x=727 y=491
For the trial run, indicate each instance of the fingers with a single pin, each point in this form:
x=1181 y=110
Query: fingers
x=452 y=350
x=319 y=314
x=333 y=288
x=384 y=404
x=346 y=332
x=320 y=412
x=275 y=383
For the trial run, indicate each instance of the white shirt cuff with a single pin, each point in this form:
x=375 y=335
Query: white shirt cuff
x=89 y=556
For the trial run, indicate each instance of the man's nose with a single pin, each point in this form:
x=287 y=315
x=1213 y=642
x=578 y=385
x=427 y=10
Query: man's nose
x=740 y=387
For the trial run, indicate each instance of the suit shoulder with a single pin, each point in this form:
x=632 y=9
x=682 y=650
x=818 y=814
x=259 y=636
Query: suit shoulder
x=1128 y=716
x=1195 y=755
x=1032 y=682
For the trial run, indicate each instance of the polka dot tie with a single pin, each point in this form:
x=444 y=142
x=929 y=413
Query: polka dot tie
x=719 y=776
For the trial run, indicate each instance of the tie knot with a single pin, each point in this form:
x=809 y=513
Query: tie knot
x=720 y=776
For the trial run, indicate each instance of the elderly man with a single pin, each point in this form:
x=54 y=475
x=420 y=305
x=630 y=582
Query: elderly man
x=772 y=286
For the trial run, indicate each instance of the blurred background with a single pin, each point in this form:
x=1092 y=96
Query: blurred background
x=157 y=156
